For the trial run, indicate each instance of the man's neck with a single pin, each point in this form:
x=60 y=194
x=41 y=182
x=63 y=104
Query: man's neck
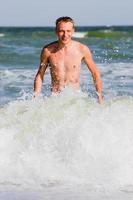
x=64 y=46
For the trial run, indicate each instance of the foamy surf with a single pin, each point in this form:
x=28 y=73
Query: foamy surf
x=79 y=34
x=2 y=34
x=67 y=140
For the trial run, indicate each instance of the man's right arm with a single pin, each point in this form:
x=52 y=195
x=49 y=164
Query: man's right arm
x=41 y=71
x=94 y=71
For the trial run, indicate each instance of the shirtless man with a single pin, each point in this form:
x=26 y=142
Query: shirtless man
x=64 y=57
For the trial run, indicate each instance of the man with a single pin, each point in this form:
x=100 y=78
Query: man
x=64 y=57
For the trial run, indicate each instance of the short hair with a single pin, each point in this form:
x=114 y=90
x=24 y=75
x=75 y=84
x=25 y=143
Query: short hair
x=64 y=19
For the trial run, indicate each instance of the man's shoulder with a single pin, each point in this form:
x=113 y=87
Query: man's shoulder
x=49 y=48
x=50 y=45
x=80 y=45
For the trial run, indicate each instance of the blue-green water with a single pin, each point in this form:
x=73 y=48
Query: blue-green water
x=20 y=47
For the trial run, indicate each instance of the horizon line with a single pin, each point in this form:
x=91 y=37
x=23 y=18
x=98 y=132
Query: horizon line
x=41 y=26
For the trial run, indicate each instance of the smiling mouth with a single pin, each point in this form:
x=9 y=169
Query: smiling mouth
x=64 y=39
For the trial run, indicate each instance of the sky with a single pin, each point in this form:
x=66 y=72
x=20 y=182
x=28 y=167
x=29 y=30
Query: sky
x=84 y=12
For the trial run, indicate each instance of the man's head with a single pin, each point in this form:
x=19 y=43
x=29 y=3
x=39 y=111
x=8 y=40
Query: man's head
x=64 y=29
x=64 y=19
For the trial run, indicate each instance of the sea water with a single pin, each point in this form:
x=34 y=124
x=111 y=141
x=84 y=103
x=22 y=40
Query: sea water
x=66 y=146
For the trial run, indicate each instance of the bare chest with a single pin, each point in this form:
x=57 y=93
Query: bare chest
x=65 y=61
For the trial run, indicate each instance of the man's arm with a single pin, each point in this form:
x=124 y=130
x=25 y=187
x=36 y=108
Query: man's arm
x=41 y=71
x=94 y=71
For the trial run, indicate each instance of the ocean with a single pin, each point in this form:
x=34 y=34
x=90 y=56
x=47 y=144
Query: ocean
x=66 y=147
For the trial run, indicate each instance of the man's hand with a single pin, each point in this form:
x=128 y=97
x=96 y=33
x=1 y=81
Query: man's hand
x=100 y=97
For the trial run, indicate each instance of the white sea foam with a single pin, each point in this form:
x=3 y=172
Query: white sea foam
x=6 y=73
x=2 y=34
x=79 y=34
x=67 y=139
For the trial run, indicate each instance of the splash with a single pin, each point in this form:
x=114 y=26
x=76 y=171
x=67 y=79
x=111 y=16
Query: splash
x=66 y=138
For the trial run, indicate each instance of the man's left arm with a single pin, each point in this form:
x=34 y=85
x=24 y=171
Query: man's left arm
x=94 y=71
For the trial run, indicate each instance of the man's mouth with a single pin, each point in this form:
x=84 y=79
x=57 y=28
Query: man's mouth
x=64 y=38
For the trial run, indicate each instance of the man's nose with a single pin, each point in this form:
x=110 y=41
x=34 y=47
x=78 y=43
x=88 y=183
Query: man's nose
x=65 y=33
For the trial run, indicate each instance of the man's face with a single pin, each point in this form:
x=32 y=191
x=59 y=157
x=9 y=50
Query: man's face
x=64 y=32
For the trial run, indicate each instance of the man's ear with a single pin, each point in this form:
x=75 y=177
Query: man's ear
x=73 y=29
x=56 y=30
